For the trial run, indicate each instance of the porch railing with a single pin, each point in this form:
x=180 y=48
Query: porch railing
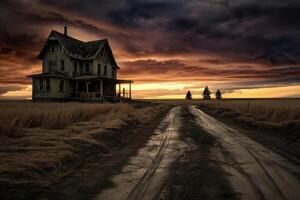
x=92 y=95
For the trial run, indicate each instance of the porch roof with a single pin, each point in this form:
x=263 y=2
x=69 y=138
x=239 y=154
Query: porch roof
x=48 y=75
x=102 y=78
x=86 y=77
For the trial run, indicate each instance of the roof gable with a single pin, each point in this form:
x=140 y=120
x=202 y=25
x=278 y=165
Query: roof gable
x=75 y=48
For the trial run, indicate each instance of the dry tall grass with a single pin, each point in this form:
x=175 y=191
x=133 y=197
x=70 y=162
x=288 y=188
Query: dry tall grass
x=38 y=138
x=276 y=111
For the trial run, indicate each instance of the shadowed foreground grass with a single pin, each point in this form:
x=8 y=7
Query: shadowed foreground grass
x=38 y=139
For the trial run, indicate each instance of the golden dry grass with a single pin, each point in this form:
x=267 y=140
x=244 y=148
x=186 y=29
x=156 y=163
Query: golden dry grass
x=37 y=139
x=276 y=111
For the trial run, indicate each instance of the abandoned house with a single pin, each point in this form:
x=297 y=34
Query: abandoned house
x=76 y=70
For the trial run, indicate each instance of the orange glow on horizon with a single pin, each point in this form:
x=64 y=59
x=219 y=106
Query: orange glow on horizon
x=178 y=91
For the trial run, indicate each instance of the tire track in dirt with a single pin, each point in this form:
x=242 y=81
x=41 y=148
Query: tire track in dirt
x=255 y=171
x=195 y=175
x=141 y=187
x=146 y=173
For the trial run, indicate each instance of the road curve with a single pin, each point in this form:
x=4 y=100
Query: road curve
x=146 y=173
x=254 y=171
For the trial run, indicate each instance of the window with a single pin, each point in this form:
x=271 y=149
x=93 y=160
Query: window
x=105 y=70
x=75 y=67
x=81 y=67
x=47 y=84
x=87 y=68
x=99 y=69
x=52 y=48
x=61 y=86
x=62 y=65
x=41 y=84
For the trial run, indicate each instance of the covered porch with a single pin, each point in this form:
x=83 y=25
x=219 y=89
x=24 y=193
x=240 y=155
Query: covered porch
x=101 y=89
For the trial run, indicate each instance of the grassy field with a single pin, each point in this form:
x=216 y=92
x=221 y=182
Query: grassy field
x=38 y=139
x=278 y=112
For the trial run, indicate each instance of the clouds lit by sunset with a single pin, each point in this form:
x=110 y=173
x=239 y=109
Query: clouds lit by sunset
x=246 y=48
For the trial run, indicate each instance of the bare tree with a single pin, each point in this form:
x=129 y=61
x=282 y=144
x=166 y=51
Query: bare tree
x=206 y=93
x=218 y=95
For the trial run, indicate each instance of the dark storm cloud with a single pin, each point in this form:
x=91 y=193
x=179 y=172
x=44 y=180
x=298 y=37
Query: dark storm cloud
x=182 y=71
x=262 y=30
x=227 y=32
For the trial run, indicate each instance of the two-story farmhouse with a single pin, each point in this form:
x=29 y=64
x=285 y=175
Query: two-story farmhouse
x=76 y=70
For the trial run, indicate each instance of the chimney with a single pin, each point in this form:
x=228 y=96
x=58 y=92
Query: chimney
x=66 y=30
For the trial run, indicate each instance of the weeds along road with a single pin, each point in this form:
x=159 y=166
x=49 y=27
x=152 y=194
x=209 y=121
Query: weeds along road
x=194 y=156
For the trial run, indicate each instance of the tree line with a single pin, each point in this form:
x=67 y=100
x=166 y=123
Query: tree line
x=206 y=94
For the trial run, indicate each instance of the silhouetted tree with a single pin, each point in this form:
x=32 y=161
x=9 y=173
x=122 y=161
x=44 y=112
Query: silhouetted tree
x=218 y=95
x=206 y=93
x=188 y=95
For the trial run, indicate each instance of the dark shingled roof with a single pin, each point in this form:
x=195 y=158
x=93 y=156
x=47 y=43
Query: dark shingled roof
x=79 y=49
x=76 y=48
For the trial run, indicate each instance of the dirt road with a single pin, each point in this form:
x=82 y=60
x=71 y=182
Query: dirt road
x=146 y=174
x=254 y=171
x=192 y=155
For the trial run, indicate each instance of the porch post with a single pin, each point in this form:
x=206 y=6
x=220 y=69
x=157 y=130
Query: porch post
x=76 y=88
x=130 y=90
x=101 y=91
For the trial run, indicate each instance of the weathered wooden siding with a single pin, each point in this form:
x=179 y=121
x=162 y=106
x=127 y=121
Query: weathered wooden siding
x=54 y=91
x=103 y=61
x=57 y=56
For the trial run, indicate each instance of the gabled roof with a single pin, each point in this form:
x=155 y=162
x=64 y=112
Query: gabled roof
x=78 y=49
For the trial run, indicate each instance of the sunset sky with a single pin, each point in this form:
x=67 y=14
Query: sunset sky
x=246 y=48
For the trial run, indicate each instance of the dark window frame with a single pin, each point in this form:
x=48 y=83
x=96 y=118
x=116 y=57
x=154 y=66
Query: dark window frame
x=62 y=65
x=61 y=85
x=105 y=70
x=99 y=69
x=75 y=67
x=86 y=68
x=47 y=84
x=41 y=84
